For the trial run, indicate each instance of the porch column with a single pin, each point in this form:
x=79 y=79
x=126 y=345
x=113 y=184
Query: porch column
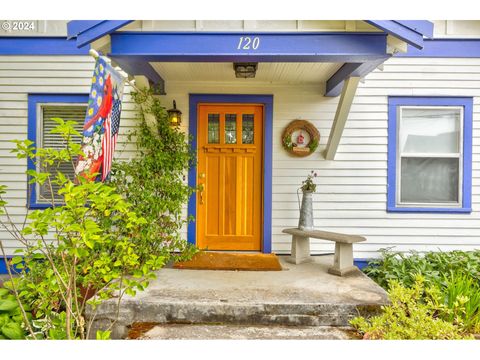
x=343 y=109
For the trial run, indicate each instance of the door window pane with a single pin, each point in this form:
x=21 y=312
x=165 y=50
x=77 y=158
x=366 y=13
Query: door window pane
x=247 y=129
x=230 y=128
x=213 y=128
x=429 y=180
x=430 y=130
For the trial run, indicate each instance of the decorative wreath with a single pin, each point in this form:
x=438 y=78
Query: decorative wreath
x=295 y=146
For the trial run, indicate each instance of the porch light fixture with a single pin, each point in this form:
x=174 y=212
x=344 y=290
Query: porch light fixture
x=245 y=70
x=174 y=115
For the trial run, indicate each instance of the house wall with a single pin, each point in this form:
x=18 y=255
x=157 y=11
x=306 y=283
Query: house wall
x=351 y=194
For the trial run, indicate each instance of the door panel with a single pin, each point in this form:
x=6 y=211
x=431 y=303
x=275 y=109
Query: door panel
x=230 y=155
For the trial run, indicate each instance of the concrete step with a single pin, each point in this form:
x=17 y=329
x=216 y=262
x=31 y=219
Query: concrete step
x=241 y=332
x=301 y=295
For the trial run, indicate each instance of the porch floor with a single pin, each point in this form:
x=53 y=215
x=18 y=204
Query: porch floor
x=300 y=295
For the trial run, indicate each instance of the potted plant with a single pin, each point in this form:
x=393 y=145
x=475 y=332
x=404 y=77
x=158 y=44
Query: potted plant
x=306 y=210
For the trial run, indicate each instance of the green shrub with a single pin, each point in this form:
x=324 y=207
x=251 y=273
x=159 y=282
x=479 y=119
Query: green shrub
x=97 y=249
x=12 y=325
x=461 y=296
x=433 y=266
x=154 y=180
x=412 y=315
x=453 y=275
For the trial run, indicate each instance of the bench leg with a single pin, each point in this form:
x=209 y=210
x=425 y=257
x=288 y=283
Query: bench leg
x=300 y=250
x=343 y=260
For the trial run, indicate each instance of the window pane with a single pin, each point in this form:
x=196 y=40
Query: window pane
x=49 y=140
x=213 y=128
x=430 y=130
x=230 y=128
x=247 y=129
x=429 y=180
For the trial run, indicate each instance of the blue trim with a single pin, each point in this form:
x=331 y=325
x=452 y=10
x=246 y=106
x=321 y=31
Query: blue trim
x=445 y=48
x=273 y=47
x=393 y=103
x=87 y=31
x=403 y=31
x=138 y=67
x=39 y=46
x=33 y=100
x=335 y=83
x=420 y=26
x=267 y=101
x=3 y=265
x=361 y=263
x=76 y=27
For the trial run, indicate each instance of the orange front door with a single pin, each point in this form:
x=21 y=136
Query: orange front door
x=229 y=174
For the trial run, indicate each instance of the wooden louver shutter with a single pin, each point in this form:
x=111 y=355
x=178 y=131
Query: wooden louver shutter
x=73 y=112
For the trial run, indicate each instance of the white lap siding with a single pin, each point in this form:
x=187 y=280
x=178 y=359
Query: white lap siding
x=351 y=194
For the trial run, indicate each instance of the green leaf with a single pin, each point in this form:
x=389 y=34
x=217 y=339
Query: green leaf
x=103 y=335
x=8 y=305
x=4 y=292
x=13 y=331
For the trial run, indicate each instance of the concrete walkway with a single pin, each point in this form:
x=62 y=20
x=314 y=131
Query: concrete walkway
x=246 y=332
x=300 y=295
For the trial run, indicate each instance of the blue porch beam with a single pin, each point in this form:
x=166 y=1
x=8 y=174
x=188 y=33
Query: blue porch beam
x=402 y=30
x=136 y=67
x=254 y=47
x=335 y=83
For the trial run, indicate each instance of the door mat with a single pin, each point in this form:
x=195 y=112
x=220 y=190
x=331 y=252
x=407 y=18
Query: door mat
x=231 y=261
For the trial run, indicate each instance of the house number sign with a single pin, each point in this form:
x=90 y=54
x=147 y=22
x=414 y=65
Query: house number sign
x=248 y=43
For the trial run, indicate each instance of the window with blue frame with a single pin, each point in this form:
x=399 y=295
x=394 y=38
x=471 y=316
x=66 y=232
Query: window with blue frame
x=41 y=109
x=429 y=154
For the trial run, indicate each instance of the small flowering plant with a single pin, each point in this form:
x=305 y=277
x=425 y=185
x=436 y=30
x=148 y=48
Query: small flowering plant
x=308 y=185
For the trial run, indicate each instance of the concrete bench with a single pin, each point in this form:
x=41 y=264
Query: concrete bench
x=343 y=259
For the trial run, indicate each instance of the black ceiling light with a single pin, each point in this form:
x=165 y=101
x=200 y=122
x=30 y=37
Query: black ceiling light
x=245 y=70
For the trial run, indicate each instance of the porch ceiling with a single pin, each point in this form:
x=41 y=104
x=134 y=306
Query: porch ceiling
x=266 y=72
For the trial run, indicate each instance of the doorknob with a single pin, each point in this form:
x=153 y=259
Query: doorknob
x=201 y=187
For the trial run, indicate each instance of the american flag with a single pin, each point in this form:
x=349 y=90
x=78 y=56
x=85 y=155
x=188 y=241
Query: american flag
x=112 y=124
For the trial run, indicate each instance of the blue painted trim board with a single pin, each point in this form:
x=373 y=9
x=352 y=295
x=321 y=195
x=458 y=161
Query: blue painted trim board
x=402 y=31
x=420 y=26
x=99 y=30
x=3 y=265
x=13 y=45
x=267 y=101
x=33 y=101
x=361 y=263
x=393 y=103
x=76 y=27
x=445 y=48
x=272 y=47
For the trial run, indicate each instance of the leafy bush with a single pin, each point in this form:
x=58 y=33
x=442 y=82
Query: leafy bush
x=97 y=247
x=154 y=181
x=12 y=325
x=412 y=315
x=432 y=265
x=455 y=276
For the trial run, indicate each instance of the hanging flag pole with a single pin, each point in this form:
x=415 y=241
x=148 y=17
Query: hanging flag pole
x=96 y=55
